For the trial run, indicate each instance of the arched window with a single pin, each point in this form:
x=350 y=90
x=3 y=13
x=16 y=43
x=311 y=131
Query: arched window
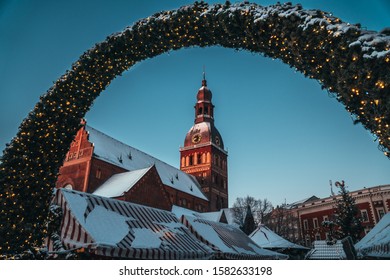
x=200 y=111
x=199 y=158
x=68 y=187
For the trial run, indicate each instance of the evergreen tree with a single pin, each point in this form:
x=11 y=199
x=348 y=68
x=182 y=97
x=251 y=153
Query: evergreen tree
x=249 y=222
x=347 y=216
x=260 y=209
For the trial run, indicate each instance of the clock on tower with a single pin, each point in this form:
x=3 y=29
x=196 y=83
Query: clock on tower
x=203 y=154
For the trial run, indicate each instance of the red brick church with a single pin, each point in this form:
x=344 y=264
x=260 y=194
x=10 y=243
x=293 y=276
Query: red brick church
x=99 y=164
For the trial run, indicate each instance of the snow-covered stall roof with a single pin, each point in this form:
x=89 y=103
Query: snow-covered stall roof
x=377 y=242
x=120 y=183
x=113 y=228
x=113 y=151
x=338 y=250
x=229 y=214
x=211 y=216
x=180 y=211
x=227 y=241
x=266 y=238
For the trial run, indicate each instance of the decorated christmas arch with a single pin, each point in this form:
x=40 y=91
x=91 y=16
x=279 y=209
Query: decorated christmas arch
x=351 y=63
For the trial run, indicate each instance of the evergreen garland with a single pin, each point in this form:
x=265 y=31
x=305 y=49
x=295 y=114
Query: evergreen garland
x=351 y=63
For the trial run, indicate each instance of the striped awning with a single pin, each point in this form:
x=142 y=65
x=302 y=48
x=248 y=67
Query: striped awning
x=116 y=229
x=228 y=242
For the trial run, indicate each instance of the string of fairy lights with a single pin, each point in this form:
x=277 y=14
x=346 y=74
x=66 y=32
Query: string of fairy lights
x=313 y=42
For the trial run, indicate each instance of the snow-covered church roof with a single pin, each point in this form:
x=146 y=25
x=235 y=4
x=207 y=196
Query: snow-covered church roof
x=118 y=184
x=115 y=152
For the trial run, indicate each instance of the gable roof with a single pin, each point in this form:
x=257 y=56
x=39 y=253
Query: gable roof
x=118 y=229
x=217 y=216
x=266 y=238
x=118 y=184
x=229 y=242
x=332 y=250
x=115 y=152
x=377 y=242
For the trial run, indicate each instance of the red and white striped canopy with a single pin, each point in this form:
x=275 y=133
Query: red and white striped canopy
x=227 y=241
x=117 y=229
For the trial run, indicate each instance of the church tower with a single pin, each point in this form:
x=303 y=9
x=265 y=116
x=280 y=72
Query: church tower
x=203 y=153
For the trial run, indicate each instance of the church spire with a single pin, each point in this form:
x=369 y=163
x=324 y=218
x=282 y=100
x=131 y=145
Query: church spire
x=204 y=81
x=203 y=153
x=204 y=108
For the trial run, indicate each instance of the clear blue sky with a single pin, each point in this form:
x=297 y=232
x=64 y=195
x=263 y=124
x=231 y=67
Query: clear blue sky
x=285 y=137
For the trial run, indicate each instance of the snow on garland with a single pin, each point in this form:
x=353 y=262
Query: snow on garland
x=351 y=63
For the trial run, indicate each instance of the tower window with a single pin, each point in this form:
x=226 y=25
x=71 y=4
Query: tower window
x=200 y=111
x=200 y=158
x=191 y=160
x=187 y=160
x=206 y=110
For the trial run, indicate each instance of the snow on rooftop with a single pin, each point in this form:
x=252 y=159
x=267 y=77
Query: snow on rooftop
x=322 y=250
x=226 y=238
x=210 y=216
x=113 y=151
x=105 y=226
x=266 y=238
x=116 y=228
x=120 y=183
x=180 y=211
x=377 y=242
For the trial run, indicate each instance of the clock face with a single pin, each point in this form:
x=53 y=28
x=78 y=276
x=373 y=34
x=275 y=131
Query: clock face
x=196 y=138
x=217 y=141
